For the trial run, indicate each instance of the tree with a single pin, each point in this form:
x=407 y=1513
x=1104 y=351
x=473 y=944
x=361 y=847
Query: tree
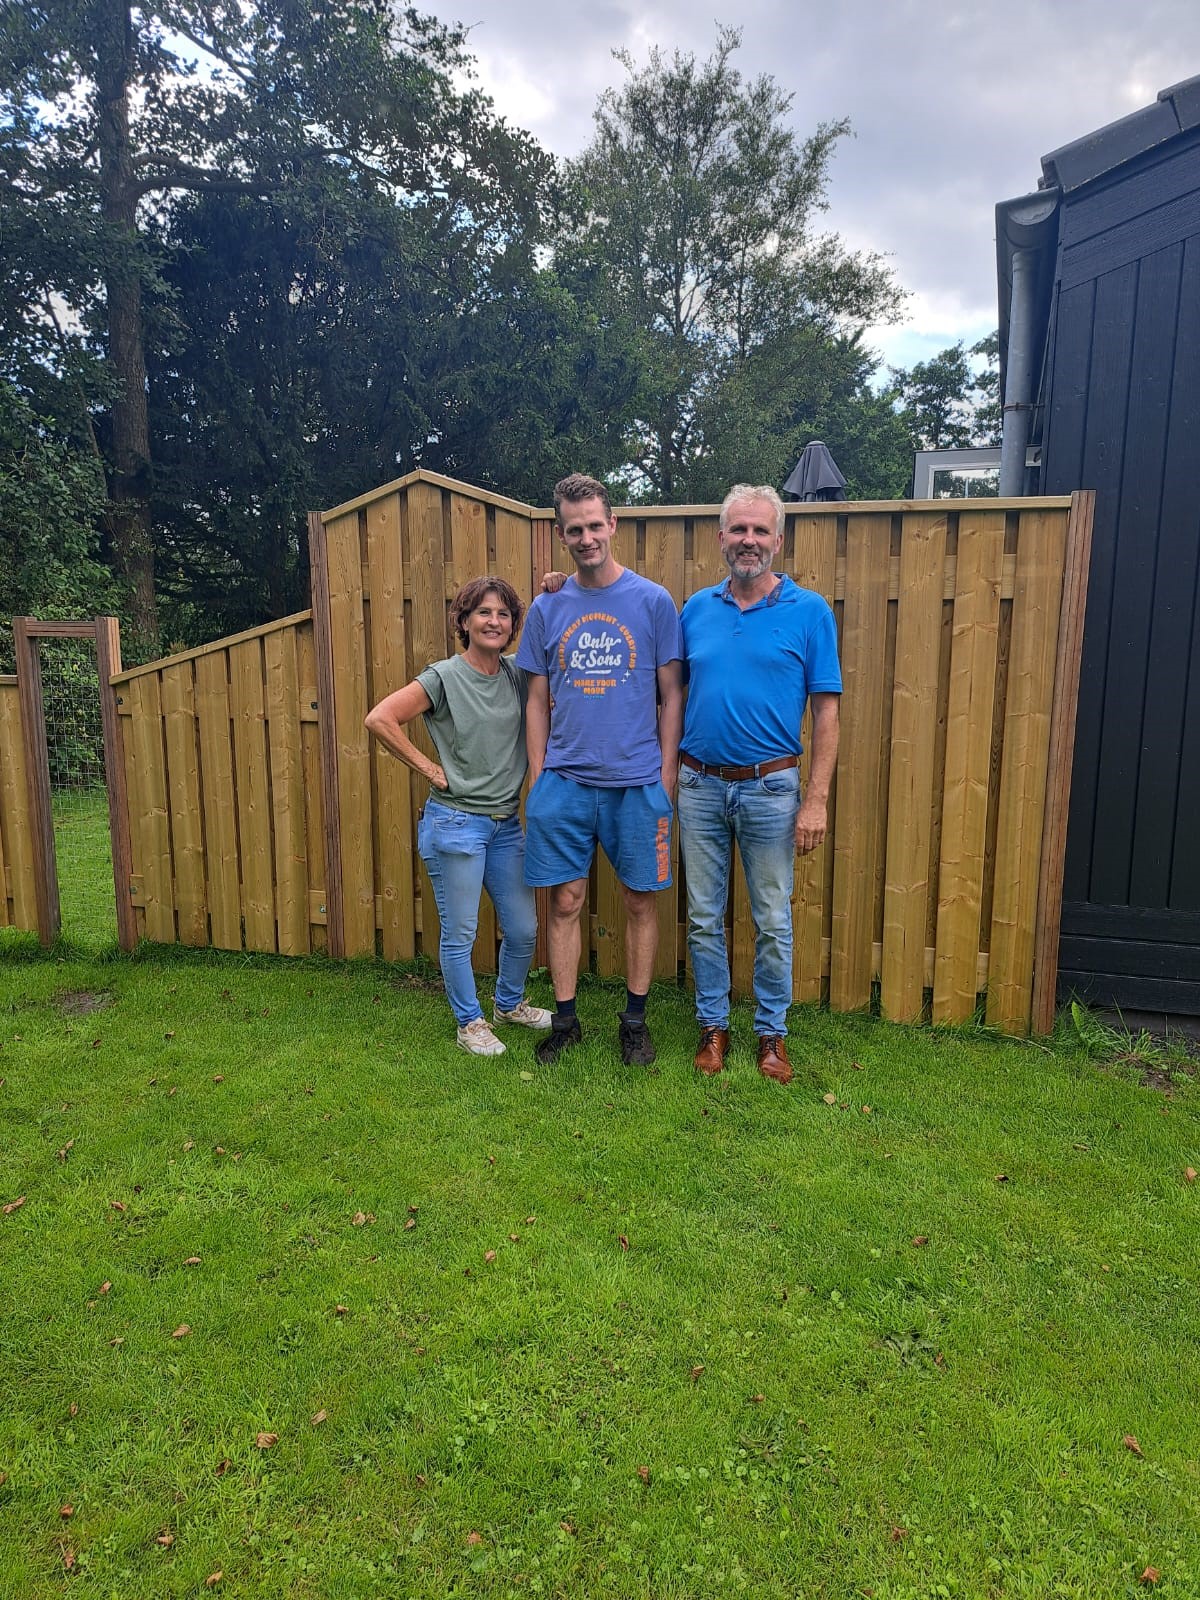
x=701 y=200
x=947 y=402
x=110 y=112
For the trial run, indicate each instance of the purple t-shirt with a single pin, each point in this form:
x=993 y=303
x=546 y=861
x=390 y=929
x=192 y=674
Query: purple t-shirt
x=601 y=650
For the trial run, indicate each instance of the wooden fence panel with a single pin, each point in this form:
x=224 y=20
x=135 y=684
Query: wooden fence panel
x=19 y=900
x=975 y=637
x=911 y=775
x=814 y=566
x=1037 y=594
x=183 y=786
x=219 y=798
x=941 y=829
x=287 y=793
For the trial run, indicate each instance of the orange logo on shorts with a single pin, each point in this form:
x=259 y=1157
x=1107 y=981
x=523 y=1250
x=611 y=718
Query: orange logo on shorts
x=662 y=848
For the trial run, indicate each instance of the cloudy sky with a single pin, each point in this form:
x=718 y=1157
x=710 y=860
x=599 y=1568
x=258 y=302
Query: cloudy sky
x=952 y=106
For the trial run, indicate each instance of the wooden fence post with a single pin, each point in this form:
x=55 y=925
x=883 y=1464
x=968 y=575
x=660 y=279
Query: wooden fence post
x=318 y=560
x=108 y=664
x=37 y=777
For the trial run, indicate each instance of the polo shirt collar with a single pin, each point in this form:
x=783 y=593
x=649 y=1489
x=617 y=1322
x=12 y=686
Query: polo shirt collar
x=723 y=592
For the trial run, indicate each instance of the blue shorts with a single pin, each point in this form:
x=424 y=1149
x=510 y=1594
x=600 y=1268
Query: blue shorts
x=565 y=820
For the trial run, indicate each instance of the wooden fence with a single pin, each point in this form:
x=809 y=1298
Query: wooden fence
x=18 y=884
x=260 y=816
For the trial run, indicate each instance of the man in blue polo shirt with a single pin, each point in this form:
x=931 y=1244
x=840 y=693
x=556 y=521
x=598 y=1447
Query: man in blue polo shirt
x=757 y=647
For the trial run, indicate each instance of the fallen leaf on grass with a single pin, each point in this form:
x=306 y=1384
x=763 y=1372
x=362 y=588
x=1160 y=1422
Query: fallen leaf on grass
x=182 y=1331
x=14 y=1205
x=1131 y=1444
x=491 y=1161
x=222 y=1467
x=318 y=1417
x=166 y=1539
x=644 y=1474
x=66 y=1150
x=264 y=1441
x=192 y=1261
x=897 y=1534
x=105 y=1287
x=409 y=1224
x=624 y=1242
x=829 y=1099
x=474 y=1538
x=218 y=1149
x=1080 y=1147
x=757 y=1399
x=919 y=1240
x=213 y=1579
x=119 y=1340
x=361 y=1218
x=489 y=1255
x=219 y=1077
x=1150 y=1575
x=66 y=1511
x=866 y=1111
x=420 y=1480
x=189 y=1144
x=696 y=1371
x=68 y=1559
x=412 y=1210
x=1002 y=1177
x=514 y=1238
x=529 y=1221
x=567 y=1527
x=1189 y=1174
x=72 y=1409
x=340 y=1310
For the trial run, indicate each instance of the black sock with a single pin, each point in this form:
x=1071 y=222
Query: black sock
x=635 y=1004
x=564 y=1012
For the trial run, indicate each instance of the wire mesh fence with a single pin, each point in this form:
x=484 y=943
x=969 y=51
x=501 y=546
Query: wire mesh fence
x=75 y=745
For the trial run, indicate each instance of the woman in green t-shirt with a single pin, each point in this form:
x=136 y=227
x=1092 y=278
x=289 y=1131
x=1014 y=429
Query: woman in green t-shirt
x=470 y=836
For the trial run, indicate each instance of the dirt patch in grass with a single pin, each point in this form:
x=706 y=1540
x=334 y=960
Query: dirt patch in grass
x=82 y=1002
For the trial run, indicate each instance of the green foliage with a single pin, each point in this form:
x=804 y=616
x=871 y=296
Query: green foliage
x=51 y=499
x=700 y=201
x=950 y=402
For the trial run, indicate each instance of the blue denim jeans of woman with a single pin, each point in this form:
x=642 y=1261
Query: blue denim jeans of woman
x=464 y=854
x=760 y=814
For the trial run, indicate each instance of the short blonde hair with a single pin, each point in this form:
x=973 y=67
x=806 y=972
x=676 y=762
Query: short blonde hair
x=741 y=492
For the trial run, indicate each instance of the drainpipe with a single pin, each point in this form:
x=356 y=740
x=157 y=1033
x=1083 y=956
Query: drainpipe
x=1018 y=390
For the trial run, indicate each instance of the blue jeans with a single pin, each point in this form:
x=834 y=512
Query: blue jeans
x=464 y=854
x=761 y=815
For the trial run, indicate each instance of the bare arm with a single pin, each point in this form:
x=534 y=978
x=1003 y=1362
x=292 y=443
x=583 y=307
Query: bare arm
x=387 y=721
x=811 y=819
x=670 y=722
x=537 y=723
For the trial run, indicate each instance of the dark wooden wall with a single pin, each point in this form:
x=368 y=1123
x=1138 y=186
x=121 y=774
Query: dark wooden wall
x=1121 y=397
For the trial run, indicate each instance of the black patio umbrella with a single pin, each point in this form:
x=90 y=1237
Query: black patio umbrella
x=816 y=475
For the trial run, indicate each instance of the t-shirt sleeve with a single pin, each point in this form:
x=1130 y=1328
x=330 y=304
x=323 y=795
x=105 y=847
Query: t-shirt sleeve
x=668 y=635
x=821 y=667
x=531 y=652
x=431 y=681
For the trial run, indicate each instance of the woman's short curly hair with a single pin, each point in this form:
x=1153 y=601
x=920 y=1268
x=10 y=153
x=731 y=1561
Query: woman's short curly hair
x=470 y=597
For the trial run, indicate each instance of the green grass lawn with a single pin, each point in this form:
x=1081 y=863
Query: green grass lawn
x=580 y=1330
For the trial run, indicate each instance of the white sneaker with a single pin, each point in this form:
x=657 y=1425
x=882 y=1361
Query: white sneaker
x=477 y=1039
x=524 y=1015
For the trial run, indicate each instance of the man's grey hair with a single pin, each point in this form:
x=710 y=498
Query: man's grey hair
x=741 y=492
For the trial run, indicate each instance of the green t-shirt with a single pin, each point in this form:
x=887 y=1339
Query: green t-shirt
x=477 y=724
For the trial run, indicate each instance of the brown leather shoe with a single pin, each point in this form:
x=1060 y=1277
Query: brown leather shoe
x=773 y=1057
x=711 y=1051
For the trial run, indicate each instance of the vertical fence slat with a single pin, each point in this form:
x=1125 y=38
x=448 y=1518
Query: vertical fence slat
x=7 y=692
x=975 y=635
x=911 y=774
x=148 y=808
x=389 y=672
x=1037 y=596
x=219 y=797
x=247 y=709
x=314 y=794
x=287 y=792
x=347 y=639
x=468 y=541
x=37 y=779
x=425 y=564
x=864 y=624
x=664 y=564
x=108 y=664
x=15 y=814
x=183 y=792
x=813 y=567
x=514 y=551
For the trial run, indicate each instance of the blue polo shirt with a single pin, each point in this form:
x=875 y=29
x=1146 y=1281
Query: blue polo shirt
x=750 y=672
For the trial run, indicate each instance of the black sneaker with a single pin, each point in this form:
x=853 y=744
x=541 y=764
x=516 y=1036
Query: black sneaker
x=637 y=1047
x=558 y=1040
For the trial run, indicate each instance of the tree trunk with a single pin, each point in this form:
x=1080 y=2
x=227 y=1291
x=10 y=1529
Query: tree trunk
x=130 y=483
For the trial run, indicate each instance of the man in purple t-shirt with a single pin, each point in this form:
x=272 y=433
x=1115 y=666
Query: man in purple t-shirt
x=602 y=729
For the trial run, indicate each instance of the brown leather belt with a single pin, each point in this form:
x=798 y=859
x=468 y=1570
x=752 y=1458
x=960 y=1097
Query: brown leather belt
x=739 y=774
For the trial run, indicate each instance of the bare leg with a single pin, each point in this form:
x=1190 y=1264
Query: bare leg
x=641 y=937
x=566 y=902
